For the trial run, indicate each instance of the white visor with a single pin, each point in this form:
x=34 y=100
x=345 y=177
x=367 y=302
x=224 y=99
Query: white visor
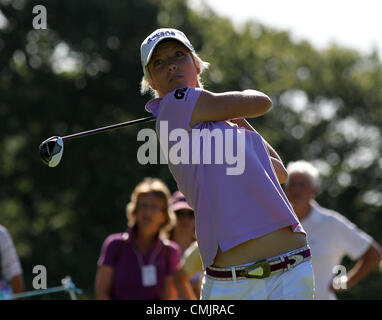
x=149 y=44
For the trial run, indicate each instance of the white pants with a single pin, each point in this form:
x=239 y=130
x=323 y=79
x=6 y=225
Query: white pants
x=294 y=284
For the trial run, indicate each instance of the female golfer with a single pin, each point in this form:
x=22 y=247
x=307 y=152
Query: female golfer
x=251 y=243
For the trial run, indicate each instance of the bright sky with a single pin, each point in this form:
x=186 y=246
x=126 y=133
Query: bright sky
x=350 y=23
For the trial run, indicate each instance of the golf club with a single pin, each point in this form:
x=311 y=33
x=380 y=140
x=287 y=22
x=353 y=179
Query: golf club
x=51 y=149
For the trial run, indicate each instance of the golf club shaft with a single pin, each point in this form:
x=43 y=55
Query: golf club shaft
x=114 y=126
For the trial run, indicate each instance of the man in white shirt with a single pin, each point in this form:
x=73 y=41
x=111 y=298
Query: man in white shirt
x=330 y=235
x=10 y=267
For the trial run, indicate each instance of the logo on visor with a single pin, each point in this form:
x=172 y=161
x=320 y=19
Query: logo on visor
x=159 y=35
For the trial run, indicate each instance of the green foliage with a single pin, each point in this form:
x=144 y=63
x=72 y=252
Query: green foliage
x=327 y=109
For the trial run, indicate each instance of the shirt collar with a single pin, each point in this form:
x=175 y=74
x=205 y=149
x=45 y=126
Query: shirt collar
x=132 y=236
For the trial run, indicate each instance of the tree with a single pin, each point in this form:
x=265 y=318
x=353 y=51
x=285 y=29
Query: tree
x=83 y=72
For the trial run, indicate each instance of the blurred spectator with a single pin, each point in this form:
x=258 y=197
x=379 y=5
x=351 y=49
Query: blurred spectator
x=11 y=277
x=190 y=273
x=184 y=235
x=140 y=263
x=331 y=236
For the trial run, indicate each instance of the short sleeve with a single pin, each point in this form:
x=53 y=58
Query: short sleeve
x=110 y=251
x=354 y=241
x=177 y=106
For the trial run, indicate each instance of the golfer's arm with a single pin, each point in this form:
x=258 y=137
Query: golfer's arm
x=281 y=172
x=278 y=165
x=228 y=105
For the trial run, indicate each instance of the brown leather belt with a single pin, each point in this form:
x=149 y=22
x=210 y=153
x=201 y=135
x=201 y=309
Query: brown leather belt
x=262 y=269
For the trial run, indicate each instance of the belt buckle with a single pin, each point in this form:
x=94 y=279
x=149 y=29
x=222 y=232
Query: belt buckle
x=297 y=259
x=259 y=270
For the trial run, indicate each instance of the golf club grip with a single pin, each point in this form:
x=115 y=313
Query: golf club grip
x=114 y=126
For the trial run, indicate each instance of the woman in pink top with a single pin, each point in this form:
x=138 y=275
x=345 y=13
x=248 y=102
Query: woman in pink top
x=140 y=264
x=251 y=242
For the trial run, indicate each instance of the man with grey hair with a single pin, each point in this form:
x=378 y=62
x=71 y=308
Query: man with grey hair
x=330 y=235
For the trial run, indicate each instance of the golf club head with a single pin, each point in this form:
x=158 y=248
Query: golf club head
x=51 y=151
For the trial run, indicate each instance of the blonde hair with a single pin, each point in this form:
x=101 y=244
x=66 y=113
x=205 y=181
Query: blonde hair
x=158 y=188
x=145 y=84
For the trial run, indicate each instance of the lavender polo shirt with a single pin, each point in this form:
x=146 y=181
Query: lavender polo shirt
x=229 y=208
x=121 y=256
